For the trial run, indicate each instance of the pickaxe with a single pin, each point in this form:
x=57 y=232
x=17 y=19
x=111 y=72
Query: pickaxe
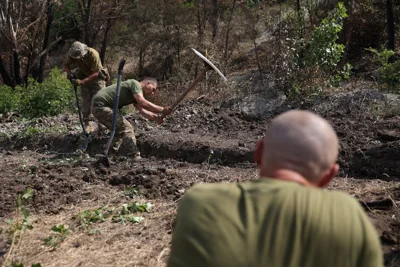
x=209 y=66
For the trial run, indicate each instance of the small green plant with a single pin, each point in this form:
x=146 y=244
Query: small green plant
x=58 y=235
x=18 y=226
x=131 y=192
x=389 y=72
x=30 y=131
x=323 y=49
x=49 y=98
x=136 y=207
x=89 y=217
x=127 y=218
x=22 y=265
x=127 y=213
x=9 y=99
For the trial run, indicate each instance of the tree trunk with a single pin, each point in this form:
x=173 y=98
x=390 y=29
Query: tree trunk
x=214 y=20
x=199 y=24
x=347 y=25
x=87 y=38
x=5 y=75
x=104 y=43
x=301 y=25
x=227 y=33
x=17 y=68
x=50 y=16
x=390 y=24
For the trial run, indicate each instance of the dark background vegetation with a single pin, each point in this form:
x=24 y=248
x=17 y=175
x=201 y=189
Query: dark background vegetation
x=302 y=46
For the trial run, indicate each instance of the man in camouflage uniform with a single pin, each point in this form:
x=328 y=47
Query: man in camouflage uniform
x=131 y=92
x=84 y=69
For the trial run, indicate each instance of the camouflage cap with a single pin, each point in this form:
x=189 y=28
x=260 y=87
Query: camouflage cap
x=77 y=50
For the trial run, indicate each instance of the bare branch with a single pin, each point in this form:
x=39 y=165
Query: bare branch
x=43 y=53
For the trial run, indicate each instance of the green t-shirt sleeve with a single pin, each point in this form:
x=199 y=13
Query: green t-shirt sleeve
x=94 y=58
x=191 y=232
x=135 y=88
x=372 y=255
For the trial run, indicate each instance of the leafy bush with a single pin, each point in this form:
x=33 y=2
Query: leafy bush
x=323 y=51
x=9 y=99
x=49 y=98
x=389 y=72
x=303 y=65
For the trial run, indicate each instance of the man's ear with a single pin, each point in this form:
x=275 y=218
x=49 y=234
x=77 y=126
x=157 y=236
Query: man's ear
x=332 y=172
x=258 y=153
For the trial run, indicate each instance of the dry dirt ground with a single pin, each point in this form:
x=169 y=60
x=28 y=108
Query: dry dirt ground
x=202 y=142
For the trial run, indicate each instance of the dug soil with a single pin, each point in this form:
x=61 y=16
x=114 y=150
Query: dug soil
x=202 y=142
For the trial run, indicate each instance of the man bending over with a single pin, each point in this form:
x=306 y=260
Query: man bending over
x=131 y=92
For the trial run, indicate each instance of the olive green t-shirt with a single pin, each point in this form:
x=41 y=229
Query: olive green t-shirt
x=128 y=88
x=87 y=65
x=272 y=223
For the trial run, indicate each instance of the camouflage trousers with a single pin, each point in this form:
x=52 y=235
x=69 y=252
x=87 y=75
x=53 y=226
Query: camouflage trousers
x=124 y=132
x=87 y=92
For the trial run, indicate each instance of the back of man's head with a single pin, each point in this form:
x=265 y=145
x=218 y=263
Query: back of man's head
x=302 y=143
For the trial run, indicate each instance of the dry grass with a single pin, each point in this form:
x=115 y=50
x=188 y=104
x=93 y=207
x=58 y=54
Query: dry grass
x=143 y=244
x=114 y=244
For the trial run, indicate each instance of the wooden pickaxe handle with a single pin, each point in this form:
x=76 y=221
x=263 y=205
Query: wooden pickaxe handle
x=190 y=88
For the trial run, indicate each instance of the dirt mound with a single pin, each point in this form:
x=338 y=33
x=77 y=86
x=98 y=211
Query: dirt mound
x=56 y=182
x=367 y=122
x=69 y=179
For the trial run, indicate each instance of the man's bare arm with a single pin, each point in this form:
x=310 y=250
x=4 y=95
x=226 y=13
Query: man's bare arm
x=91 y=77
x=149 y=115
x=68 y=71
x=144 y=104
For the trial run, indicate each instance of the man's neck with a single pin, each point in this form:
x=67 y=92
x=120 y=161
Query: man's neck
x=287 y=175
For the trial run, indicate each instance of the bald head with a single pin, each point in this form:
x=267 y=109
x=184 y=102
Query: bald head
x=302 y=142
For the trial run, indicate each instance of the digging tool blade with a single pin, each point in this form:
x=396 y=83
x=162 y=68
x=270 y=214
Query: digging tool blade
x=86 y=134
x=115 y=113
x=210 y=65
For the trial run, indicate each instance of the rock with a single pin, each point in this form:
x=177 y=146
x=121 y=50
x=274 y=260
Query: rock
x=148 y=127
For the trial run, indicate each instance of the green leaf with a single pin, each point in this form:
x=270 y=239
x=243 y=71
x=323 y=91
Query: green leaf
x=25 y=212
x=62 y=229
x=19 y=202
x=36 y=265
x=134 y=219
x=28 y=193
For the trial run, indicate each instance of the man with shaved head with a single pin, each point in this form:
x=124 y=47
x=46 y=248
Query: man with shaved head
x=283 y=219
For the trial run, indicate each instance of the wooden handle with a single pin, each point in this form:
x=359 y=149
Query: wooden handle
x=190 y=88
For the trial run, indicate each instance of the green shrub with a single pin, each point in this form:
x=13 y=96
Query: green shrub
x=9 y=99
x=49 y=98
x=323 y=50
x=389 y=73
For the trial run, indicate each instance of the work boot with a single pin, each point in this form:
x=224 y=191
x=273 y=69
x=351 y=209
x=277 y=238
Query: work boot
x=89 y=127
x=101 y=129
x=117 y=144
x=137 y=157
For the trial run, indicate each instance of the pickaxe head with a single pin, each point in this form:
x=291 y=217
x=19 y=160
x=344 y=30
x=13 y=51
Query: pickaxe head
x=210 y=64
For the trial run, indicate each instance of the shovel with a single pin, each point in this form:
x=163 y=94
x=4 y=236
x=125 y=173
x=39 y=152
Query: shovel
x=86 y=134
x=115 y=113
